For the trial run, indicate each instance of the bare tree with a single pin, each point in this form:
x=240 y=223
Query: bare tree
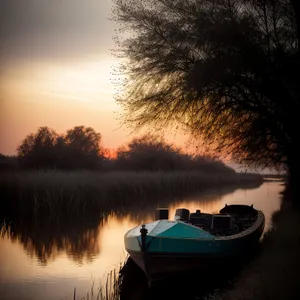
x=224 y=69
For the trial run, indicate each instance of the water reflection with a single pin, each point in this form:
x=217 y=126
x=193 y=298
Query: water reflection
x=38 y=256
x=45 y=242
x=191 y=286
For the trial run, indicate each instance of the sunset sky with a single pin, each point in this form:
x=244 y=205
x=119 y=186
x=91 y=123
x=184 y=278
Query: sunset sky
x=56 y=65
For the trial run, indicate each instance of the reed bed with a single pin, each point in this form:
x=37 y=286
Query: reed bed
x=108 y=289
x=74 y=194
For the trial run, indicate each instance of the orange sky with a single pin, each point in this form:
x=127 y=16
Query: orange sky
x=56 y=65
x=56 y=71
x=61 y=96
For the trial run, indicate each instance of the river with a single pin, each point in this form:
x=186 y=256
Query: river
x=38 y=263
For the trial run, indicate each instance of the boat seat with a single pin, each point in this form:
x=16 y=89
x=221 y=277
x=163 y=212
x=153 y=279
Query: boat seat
x=202 y=220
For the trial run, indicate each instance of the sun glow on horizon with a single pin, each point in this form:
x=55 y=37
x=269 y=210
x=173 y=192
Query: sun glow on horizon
x=87 y=81
x=61 y=96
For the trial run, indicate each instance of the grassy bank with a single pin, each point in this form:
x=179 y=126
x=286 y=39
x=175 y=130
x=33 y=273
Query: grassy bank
x=274 y=273
x=74 y=194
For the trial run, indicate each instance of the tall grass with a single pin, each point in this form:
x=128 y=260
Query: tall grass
x=108 y=289
x=73 y=194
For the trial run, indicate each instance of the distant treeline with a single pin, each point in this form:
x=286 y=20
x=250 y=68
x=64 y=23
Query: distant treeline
x=81 y=149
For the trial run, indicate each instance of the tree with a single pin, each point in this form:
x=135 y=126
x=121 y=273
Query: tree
x=149 y=152
x=37 y=150
x=225 y=69
x=78 y=149
x=83 y=144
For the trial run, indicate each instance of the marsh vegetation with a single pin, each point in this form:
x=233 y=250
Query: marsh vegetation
x=73 y=195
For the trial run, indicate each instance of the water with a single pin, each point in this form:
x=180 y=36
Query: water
x=48 y=262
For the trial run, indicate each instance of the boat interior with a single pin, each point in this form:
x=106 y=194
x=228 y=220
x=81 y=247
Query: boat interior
x=231 y=219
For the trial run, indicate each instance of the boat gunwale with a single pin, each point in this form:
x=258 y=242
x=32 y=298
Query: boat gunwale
x=259 y=221
x=191 y=255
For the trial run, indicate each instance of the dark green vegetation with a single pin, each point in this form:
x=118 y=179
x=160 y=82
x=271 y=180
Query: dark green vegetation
x=225 y=70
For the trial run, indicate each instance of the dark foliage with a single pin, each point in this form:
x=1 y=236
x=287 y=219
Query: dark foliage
x=8 y=163
x=151 y=153
x=78 y=149
x=225 y=69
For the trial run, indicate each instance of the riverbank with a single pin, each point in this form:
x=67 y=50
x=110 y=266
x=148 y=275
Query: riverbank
x=274 y=273
x=72 y=195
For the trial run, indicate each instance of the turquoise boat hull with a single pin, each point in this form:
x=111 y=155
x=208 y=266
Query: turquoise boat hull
x=171 y=247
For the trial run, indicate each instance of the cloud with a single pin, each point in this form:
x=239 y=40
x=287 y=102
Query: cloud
x=60 y=30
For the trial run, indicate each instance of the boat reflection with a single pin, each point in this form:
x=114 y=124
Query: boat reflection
x=133 y=283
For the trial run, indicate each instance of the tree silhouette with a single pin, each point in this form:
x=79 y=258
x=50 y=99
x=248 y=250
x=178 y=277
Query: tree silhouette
x=225 y=69
x=79 y=149
x=149 y=152
x=8 y=163
x=37 y=150
x=83 y=144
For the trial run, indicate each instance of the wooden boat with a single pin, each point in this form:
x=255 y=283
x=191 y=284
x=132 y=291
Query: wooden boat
x=194 y=241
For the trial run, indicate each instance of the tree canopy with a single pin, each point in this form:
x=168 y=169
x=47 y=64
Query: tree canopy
x=80 y=148
x=38 y=150
x=224 y=69
x=148 y=152
x=152 y=153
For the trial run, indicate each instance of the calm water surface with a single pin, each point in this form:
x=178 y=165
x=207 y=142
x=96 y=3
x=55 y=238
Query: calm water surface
x=39 y=263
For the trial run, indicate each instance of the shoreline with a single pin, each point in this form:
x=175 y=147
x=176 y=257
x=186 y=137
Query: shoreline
x=274 y=272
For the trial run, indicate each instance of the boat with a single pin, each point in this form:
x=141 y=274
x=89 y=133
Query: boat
x=194 y=241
